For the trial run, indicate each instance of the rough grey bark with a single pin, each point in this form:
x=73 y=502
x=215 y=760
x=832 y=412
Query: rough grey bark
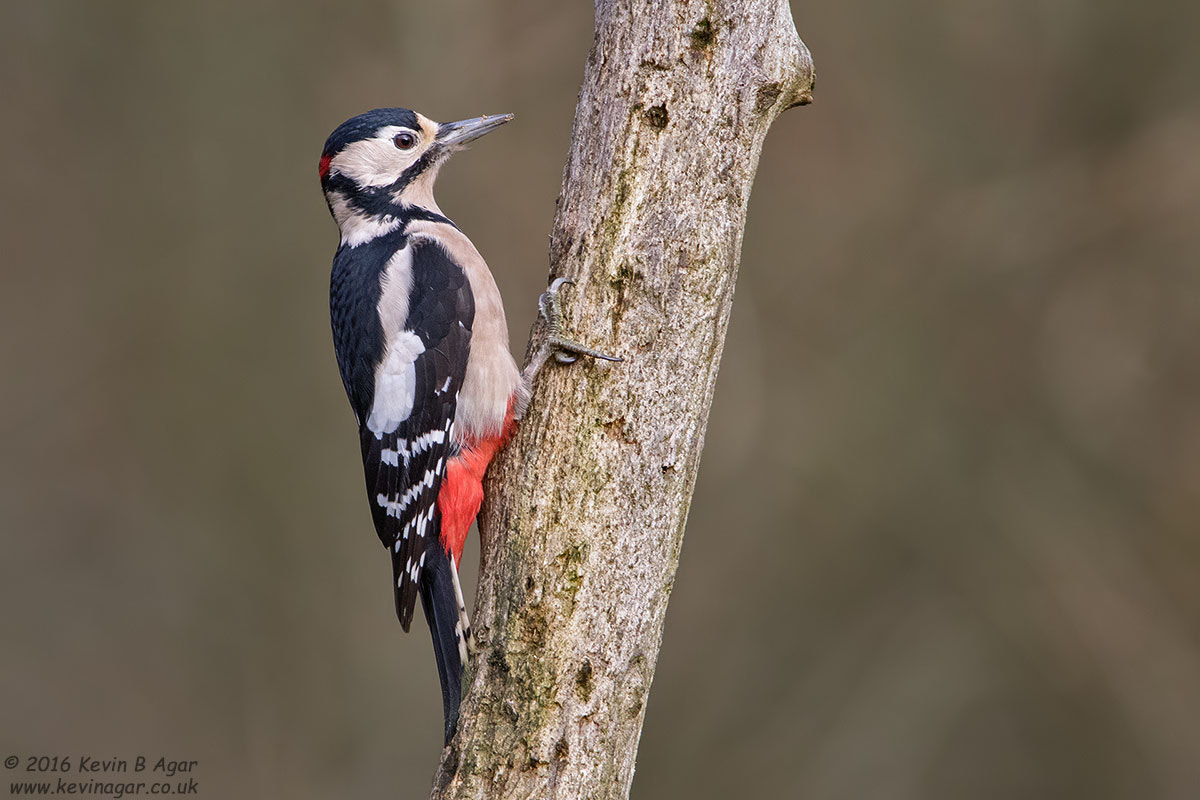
x=587 y=505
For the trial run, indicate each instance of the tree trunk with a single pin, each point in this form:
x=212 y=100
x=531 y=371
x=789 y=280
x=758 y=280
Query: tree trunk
x=587 y=505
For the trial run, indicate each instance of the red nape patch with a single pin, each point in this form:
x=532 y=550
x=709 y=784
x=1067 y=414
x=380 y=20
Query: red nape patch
x=323 y=168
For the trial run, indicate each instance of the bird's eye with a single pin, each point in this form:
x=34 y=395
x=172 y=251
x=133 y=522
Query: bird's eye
x=405 y=141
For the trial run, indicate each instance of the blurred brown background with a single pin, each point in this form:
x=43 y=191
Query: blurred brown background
x=944 y=543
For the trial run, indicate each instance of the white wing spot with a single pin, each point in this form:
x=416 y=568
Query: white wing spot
x=427 y=440
x=396 y=507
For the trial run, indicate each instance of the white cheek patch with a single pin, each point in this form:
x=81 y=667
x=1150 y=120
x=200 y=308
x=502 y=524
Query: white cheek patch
x=375 y=161
x=369 y=162
x=395 y=384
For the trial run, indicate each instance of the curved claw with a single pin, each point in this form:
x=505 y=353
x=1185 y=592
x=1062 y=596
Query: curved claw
x=603 y=356
x=548 y=305
x=567 y=351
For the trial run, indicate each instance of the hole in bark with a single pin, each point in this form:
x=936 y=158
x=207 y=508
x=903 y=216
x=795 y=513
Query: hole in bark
x=657 y=116
x=703 y=34
x=583 y=680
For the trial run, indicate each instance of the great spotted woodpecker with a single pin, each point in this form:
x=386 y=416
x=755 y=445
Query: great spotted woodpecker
x=422 y=346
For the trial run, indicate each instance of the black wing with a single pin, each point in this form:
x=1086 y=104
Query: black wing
x=404 y=467
x=358 y=336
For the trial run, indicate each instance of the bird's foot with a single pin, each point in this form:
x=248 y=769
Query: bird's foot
x=564 y=350
x=561 y=348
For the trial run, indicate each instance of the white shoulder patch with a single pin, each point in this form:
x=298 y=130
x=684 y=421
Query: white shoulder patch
x=395 y=384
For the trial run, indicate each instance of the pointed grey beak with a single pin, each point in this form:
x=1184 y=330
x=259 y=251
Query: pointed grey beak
x=456 y=134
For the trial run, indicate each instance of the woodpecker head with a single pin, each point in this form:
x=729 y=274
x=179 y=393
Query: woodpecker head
x=376 y=165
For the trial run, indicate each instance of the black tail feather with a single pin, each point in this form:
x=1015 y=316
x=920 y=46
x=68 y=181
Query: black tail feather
x=441 y=612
